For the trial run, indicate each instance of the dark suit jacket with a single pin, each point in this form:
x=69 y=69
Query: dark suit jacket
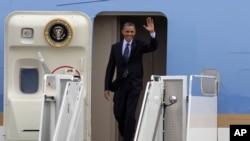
x=134 y=65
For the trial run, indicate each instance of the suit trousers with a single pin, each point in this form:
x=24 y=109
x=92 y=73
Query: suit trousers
x=125 y=104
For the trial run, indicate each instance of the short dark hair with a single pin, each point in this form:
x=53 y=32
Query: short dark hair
x=128 y=24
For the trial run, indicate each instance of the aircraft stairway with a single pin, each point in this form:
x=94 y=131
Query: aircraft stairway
x=172 y=111
x=62 y=109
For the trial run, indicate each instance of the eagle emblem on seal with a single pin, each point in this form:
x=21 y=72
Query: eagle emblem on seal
x=58 y=33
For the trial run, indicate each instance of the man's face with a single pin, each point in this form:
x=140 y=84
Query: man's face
x=128 y=33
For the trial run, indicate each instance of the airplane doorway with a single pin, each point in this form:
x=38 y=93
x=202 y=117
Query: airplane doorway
x=106 y=31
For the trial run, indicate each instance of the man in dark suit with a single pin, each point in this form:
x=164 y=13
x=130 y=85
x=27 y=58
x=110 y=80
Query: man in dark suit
x=126 y=58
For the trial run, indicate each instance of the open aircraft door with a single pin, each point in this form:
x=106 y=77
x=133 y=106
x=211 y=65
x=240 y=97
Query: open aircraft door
x=38 y=44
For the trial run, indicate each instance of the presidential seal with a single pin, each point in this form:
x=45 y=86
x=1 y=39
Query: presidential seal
x=58 y=33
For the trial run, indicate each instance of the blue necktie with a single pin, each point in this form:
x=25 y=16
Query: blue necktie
x=126 y=57
x=126 y=53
